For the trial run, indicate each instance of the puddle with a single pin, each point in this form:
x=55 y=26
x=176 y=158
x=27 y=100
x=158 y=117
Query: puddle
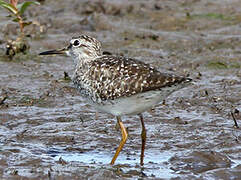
x=155 y=162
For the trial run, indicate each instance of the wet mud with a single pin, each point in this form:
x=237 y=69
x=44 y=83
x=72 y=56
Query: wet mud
x=47 y=131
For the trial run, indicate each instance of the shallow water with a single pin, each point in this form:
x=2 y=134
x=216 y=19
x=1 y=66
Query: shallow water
x=47 y=131
x=95 y=158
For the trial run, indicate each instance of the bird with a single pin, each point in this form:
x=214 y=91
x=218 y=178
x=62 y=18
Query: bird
x=118 y=85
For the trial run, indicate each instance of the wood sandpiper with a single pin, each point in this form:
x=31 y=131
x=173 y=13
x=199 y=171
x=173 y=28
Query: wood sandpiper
x=118 y=85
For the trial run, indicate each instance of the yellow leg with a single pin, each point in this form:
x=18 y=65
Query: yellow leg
x=143 y=140
x=123 y=140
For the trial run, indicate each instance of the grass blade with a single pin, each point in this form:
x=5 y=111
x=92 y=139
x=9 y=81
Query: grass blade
x=23 y=6
x=8 y=6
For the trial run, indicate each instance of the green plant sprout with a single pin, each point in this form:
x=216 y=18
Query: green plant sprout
x=17 y=11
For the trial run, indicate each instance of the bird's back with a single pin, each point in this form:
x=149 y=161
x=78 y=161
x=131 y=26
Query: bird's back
x=110 y=77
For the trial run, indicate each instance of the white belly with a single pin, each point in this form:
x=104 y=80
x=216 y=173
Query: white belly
x=138 y=103
x=134 y=104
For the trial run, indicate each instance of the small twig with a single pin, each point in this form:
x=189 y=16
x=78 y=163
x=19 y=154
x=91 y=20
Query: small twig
x=20 y=22
x=66 y=76
x=235 y=121
x=2 y=99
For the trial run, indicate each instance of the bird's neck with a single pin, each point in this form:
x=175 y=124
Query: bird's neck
x=83 y=60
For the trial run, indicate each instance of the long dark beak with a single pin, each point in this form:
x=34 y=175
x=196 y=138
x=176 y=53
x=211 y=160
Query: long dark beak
x=60 y=52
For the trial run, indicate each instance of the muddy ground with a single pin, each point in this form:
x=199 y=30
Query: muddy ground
x=47 y=131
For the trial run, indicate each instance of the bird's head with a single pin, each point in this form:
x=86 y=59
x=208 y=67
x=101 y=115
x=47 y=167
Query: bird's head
x=82 y=48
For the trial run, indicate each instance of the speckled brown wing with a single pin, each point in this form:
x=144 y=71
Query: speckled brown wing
x=114 y=77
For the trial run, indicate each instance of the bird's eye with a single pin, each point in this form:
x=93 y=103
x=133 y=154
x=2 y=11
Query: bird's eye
x=76 y=43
